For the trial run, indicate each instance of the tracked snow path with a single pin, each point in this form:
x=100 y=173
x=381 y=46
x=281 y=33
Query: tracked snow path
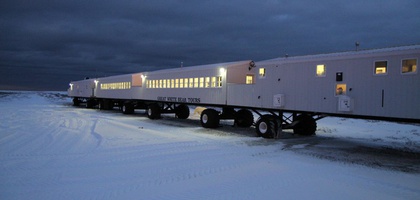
x=50 y=150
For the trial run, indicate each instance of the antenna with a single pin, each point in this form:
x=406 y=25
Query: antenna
x=357 y=45
x=182 y=63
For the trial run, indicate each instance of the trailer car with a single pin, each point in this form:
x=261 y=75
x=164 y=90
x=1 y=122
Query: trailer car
x=287 y=93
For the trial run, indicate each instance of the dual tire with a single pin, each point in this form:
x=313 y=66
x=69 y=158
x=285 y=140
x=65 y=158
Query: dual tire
x=306 y=125
x=153 y=111
x=106 y=105
x=210 y=118
x=244 y=118
x=182 y=111
x=76 y=101
x=267 y=126
x=127 y=108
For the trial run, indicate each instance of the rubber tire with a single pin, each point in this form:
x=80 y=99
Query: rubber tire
x=153 y=111
x=210 y=118
x=244 y=118
x=90 y=103
x=127 y=108
x=76 y=101
x=266 y=126
x=182 y=111
x=306 y=125
x=101 y=105
x=106 y=105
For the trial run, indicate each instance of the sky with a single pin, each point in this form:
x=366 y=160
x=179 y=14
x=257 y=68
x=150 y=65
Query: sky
x=45 y=44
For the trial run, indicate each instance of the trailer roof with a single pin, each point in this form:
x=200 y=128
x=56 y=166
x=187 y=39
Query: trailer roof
x=339 y=55
x=201 y=67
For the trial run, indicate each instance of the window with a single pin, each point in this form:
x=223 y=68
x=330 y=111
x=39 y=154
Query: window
x=219 y=81
x=409 y=66
x=320 y=70
x=191 y=82
x=249 y=79
x=207 y=83
x=196 y=82
x=340 y=89
x=201 y=82
x=381 y=67
x=181 y=83
x=213 y=82
x=261 y=72
x=186 y=82
x=172 y=83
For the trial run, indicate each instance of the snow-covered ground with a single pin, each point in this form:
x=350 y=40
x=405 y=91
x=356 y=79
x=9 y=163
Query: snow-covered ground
x=51 y=150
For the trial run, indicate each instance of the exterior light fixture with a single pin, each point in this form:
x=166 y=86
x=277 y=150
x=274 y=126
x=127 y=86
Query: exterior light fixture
x=222 y=70
x=96 y=83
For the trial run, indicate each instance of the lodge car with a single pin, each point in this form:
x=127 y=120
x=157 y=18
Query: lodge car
x=286 y=93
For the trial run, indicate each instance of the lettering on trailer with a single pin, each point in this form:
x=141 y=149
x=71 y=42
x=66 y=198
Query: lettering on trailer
x=179 y=99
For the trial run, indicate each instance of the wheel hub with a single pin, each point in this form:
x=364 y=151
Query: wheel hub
x=263 y=127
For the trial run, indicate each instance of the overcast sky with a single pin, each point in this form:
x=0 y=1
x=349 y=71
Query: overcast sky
x=44 y=44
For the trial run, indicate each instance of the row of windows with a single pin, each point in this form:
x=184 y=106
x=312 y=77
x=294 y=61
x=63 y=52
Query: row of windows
x=408 y=66
x=115 y=86
x=197 y=82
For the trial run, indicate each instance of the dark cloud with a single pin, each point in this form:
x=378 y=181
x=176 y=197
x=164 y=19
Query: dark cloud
x=45 y=44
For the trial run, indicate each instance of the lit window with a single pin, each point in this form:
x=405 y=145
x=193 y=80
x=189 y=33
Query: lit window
x=191 y=83
x=340 y=89
x=201 y=82
x=196 y=82
x=381 y=67
x=207 y=85
x=213 y=81
x=409 y=66
x=262 y=72
x=177 y=83
x=181 y=83
x=219 y=81
x=320 y=70
x=172 y=83
x=249 y=79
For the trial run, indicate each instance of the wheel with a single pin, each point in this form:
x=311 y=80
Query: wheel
x=266 y=126
x=306 y=125
x=182 y=111
x=76 y=101
x=210 y=118
x=128 y=108
x=153 y=111
x=101 y=105
x=244 y=118
x=105 y=105
x=90 y=103
x=108 y=105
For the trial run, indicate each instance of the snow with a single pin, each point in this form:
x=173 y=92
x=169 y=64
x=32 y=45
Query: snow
x=52 y=150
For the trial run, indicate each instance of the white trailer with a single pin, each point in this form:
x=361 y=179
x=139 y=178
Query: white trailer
x=294 y=91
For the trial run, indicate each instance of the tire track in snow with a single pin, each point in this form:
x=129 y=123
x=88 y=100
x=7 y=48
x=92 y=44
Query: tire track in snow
x=95 y=134
x=195 y=169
